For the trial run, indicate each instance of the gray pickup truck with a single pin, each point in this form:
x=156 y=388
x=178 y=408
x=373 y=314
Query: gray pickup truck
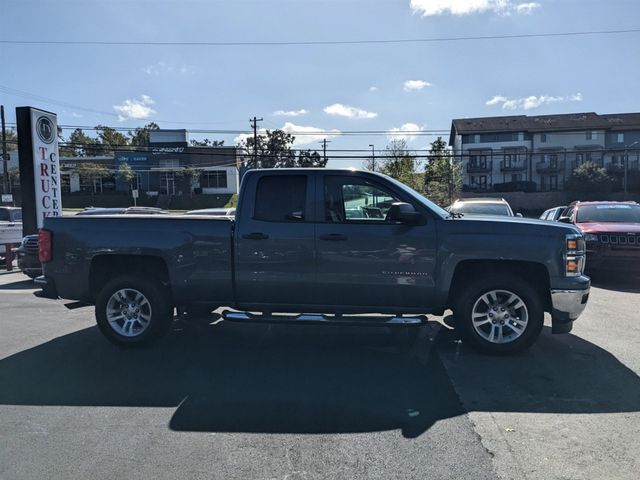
x=318 y=246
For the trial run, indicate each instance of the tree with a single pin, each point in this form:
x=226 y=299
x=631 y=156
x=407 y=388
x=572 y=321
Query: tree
x=189 y=174
x=80 y=144
x=399 y=163
x=207 y=143
x=307 y=158
x=272 y=150
x=91 y=171
x=588 y=177
x=110 y=140
x=11 y=137
x=126 y=174
x=442 y=175
x=140 y=136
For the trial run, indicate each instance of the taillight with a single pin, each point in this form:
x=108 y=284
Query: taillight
x=44 y=245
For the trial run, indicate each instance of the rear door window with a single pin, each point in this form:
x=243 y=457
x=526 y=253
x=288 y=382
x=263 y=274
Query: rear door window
x=281 y=198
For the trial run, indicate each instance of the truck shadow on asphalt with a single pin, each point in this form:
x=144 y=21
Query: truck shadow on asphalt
x=243 y=378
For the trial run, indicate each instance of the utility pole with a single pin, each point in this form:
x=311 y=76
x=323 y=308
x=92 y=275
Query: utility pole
x=5 y=182
x=254 y=124
x=373 y=158
x=625 y=158
x=324 y=148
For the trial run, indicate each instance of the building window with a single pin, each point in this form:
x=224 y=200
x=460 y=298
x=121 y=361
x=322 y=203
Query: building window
x=543 y=138
x=520 y=136
x=507 y=161
x=476 y=138
x=482 y=181
x=553 y=182
x=579 y=158
x=620 y=137
x=592 y=135
x=213 y=179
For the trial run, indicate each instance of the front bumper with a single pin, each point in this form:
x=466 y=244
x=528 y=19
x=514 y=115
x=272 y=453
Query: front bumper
x=567 y=305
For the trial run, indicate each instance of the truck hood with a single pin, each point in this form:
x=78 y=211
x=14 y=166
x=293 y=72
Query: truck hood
x=494 y=224
x=594 y=227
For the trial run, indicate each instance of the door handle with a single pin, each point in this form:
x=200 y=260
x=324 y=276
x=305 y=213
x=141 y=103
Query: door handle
x=255 y=236
x=333 y=236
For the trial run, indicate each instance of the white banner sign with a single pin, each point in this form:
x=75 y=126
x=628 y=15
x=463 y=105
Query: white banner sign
x=46 y=166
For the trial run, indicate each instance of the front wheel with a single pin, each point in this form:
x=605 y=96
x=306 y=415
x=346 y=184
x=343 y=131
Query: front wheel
x=500 y=314
x=132 y=310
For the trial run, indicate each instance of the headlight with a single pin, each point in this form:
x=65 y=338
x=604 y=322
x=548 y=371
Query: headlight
x=591 y=237
x=574 y=259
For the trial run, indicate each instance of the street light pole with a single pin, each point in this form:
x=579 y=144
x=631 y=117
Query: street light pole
x=626 y=165
x=373 y=158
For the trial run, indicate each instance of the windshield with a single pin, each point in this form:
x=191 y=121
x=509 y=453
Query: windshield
x=421 y=198
x=481 y=208
x=609 y=213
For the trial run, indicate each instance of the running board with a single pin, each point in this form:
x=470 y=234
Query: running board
x=320 y=319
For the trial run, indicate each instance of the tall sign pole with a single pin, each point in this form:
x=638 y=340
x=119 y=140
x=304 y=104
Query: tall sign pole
x=39 y=167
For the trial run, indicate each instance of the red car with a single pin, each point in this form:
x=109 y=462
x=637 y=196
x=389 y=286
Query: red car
x=612 y=234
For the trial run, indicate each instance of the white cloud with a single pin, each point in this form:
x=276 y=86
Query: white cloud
x=163 y=67
x=412 y=85
x=373 y=88
x=76 y=115
x=290 y=113
x=135 y=109
x=532 y=101
x=527 y=8
x=347 y=111
x=429 y=8
x=407 y=131
x=304 y=135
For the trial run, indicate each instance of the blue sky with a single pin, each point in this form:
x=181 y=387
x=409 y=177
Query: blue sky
x=346 y=87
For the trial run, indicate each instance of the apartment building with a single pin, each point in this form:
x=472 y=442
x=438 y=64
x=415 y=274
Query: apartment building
x=543 y=149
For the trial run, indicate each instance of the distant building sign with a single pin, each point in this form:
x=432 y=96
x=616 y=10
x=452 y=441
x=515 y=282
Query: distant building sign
x=131 y=157
x=39 y=166
x=166 y=150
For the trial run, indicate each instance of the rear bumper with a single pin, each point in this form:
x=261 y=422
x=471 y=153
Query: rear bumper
x=48 y=287
x=567 y=305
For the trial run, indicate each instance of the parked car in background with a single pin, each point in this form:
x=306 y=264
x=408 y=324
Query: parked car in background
x=612 y=234
x=214 y=212
x=553 y=214
x=27 y=255
x=122 y=211
x=482 y=206
x=10 y=227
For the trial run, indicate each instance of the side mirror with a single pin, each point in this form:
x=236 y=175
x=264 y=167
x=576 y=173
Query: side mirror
x=565 y=219
x=519 y=215
x=403 y=213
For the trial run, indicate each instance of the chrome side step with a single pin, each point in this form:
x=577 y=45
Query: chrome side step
x=321 y=319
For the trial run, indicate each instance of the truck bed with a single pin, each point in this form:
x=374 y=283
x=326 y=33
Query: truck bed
x=196 y=252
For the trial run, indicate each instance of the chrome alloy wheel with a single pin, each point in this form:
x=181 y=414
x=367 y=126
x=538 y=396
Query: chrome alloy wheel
x=499 y=316
x=128 y=312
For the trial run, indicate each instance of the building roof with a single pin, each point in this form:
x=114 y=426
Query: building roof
x=545 y=123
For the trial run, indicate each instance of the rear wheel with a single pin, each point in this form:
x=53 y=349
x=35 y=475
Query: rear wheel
x=132 y=310
x=500 y=314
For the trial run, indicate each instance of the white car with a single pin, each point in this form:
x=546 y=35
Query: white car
x=10 y=227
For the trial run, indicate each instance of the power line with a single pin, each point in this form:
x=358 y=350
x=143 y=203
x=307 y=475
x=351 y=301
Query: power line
x=315 y=42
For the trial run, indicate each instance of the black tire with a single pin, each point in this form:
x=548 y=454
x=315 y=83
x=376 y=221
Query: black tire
x=160 y=312
x=473 y=291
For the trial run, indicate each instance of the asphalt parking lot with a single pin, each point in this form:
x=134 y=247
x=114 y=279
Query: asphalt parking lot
x=252 y=401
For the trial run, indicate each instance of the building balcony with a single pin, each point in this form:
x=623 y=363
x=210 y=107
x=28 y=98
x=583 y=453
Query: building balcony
x=550 y=167
x=512 y=166
x=479 y=167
